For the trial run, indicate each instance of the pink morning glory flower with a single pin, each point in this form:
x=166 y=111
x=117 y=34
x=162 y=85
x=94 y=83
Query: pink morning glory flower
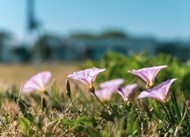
x=104 y=93
x=159 y=92
x=107 y=88
x=37 y=82
x=115 y=83
x=86 y=76
x=148 y=74
x=126 y=91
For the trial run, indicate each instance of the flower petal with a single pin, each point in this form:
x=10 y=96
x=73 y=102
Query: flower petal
x=129 y=89
x=115 y=83
x=104 y=94
x=159 y=92
x=86 y=76
x=37 y=82
x=148 y=74
x=120 y=91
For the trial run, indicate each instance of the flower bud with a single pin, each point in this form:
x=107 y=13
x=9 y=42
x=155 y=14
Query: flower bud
x=68 y=89
x=43 y=103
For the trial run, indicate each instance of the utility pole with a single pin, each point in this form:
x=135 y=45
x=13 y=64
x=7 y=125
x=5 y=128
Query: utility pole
x=32 y=23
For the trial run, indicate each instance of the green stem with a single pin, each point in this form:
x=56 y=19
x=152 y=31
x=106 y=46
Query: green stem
x=100 y=101
x=74 y=105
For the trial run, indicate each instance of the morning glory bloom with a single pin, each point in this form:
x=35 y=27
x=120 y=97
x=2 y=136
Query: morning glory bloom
x=159 y=92
x=37 y=82
x=148 y=74
x=107 y=88
x=86 y=76
x=115 y=83
x=104 y=94
x=126 y=91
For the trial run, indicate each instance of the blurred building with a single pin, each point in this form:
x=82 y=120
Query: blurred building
x=96 y=48
x=55 y=48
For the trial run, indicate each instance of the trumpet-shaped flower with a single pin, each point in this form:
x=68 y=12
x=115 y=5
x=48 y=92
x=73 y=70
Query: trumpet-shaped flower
x=107 y=88
x=126 y=91
x=104 y=93
x=148 y=74
x=86 y=76
x=37 y=82
x=159 y=92
x=115 y=83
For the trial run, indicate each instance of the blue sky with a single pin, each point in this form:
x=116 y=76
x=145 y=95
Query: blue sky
x=165 y=19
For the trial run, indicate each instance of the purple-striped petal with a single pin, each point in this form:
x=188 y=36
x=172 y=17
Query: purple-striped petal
x=148 y=74
x=86 y=76
x=126 y=91
x=159 y=92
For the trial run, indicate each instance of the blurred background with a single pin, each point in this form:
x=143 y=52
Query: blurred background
x=35 y=31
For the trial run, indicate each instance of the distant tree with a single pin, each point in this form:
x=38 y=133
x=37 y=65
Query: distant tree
x=169 y=48
x=104 y=35
x=82 y=36
x=3 y=36
x=113 y=34
x=44 y=45
x=173 y=48
x=23 y=53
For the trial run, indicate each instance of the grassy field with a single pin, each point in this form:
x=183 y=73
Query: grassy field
x=56 y=113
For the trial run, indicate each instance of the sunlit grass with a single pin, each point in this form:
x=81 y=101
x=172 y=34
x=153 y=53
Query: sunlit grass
x=16 y=74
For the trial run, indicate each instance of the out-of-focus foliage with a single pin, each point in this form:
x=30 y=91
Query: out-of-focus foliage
x=117 y=66
x=114 y=34
x=82 y=36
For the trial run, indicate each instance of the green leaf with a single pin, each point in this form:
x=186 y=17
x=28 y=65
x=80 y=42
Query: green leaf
x=84 y=121
x=131 y=123
x=24 y=124
x=54 y=89
x=156 y=110
x=67 y=122
x=4 y=120
x=176 y=107
x=92 y=132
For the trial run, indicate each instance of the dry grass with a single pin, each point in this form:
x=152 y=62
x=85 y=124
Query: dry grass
x=16 y=74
